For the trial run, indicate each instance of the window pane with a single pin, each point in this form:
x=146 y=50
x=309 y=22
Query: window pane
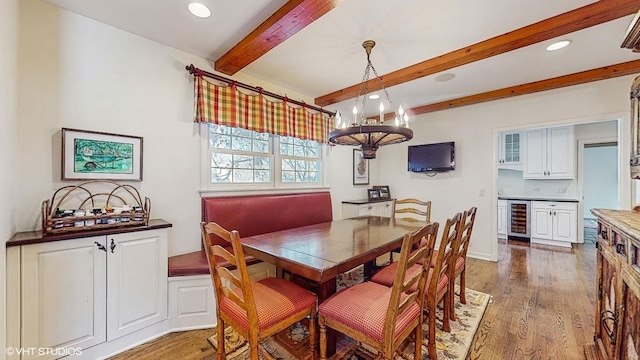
x=288 y=176
x=242 y=176
x=261 y=146
x=262 y=176
x=241 y=144
x=242 y=162
x=288 y=164
x=219 y=160
x=220 y=175
x=220 y=142
x=261 y=162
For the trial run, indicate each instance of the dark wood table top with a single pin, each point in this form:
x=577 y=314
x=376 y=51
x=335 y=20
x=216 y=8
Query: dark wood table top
x=322 y=251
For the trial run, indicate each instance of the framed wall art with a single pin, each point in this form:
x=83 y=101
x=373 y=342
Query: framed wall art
x=360 y=168
x=91 y=155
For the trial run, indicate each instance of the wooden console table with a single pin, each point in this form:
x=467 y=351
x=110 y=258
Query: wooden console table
x=617 y=318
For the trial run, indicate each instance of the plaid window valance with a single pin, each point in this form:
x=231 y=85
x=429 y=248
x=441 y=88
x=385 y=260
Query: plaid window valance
x=225 y=105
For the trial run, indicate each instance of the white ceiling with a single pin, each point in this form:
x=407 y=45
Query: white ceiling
x=327 y=55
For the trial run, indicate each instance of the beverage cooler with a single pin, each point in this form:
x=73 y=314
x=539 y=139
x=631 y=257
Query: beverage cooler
x=519 y=220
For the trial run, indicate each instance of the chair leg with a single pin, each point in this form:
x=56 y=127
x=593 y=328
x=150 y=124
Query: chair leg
x=447 y=312
x=431 y=346
x=254 y=345
x=312 y=333
x=418 y=341
x=322 y=326
x=452 y=298
x=220 y=334
x=463 y=299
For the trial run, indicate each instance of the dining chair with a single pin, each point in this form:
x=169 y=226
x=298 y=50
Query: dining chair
x=255 y=309
x=409 y=209
x=437 y=287
x=379 y=316
x=460 y=256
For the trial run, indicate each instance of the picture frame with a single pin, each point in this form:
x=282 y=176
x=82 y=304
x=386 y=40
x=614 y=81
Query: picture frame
x=373 y=194
x=92 y=155
x=383 y=191
x=360 y=168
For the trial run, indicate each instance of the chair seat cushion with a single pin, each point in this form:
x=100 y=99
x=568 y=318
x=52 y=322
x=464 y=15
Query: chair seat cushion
x=363 y=307
x=276 y=299
x=387 y=275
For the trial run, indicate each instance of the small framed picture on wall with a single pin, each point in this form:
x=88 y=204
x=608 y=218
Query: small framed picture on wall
x=360 y=168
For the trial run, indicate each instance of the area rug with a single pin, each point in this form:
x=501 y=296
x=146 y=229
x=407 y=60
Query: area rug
x=293 y=343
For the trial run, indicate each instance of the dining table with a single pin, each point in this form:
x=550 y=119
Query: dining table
x=313 y=256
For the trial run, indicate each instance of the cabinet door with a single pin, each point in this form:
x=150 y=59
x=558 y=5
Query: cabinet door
x=367 y=209
x=384 y=209
x=607 y=304
x=541 y=223
x=63 y=295
x=560 y=153
x=565 y=224
x=510 y=149
x=535 y=166
x=137 y=281
x=630 y=317
x=502 y=219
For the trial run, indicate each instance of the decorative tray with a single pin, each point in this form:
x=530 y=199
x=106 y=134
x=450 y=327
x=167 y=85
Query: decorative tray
x=107 y=205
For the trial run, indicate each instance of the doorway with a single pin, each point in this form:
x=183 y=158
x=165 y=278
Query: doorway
x=599 y=182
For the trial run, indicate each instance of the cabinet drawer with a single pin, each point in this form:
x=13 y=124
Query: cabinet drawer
x=553 y=205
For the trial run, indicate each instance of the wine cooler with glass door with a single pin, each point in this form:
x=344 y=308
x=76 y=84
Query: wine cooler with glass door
x=519 y=220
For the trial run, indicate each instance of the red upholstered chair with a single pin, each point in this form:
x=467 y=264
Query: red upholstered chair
x=256 y=309
x=460 y=256
x=438 y=280
x=379 y=316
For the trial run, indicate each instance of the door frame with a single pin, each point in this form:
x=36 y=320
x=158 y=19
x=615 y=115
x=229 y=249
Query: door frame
x=580 y=174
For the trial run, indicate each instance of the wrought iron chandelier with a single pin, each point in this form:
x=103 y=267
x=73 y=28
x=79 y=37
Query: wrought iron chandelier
x=371 y=133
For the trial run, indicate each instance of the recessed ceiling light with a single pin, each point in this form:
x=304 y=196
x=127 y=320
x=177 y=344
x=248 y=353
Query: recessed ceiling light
x=558 y=45
x=374 y=96
x=199 y=10
x=444 y=77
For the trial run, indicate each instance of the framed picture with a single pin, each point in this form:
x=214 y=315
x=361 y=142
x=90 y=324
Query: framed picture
x=373 y=194
x=90 y=155
x=383 y=191
x=360 y=168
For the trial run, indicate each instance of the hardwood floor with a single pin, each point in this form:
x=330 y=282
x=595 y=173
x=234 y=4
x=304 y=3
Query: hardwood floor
x=542 y=308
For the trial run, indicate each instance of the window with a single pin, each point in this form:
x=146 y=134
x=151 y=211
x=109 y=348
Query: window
x=239 y=156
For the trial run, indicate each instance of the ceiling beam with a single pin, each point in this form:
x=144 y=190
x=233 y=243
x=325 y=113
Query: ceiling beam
x=292 y=17
x=607 y=72
x=578 y=19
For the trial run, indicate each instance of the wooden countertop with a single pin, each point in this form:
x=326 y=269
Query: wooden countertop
x=627 y=221
x=36 y=237
x=365 y=201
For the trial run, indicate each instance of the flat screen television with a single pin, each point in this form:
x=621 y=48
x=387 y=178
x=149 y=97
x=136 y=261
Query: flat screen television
x=438 y=157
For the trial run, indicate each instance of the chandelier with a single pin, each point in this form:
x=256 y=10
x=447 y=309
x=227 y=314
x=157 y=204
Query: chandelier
x=371 y=133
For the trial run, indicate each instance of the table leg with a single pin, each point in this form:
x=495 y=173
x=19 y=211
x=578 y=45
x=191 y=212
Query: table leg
x=323 y=291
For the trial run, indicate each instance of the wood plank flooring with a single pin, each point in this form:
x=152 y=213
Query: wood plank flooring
x=543 y=308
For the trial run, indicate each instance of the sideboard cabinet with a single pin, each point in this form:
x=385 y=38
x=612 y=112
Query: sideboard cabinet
x=617 y=318
x=82 y=292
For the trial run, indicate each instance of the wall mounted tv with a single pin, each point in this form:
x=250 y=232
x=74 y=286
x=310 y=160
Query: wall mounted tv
x=438 y=157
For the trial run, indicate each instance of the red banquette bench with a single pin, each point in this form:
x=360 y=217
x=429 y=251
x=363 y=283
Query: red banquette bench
x=254 y=215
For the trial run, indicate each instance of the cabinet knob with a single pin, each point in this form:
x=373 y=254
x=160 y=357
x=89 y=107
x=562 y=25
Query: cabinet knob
x=113 y=246
x=603 y=233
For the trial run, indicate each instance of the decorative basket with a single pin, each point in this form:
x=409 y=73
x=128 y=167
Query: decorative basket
x=121 y=206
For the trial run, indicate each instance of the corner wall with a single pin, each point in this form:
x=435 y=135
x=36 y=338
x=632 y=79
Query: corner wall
x=8 y=74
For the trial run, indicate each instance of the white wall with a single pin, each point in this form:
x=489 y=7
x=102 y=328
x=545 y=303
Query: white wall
x=8 y=83
x=82 y=74
x=474 y=129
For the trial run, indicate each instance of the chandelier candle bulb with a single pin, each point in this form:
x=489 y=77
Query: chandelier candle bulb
x=381 y=112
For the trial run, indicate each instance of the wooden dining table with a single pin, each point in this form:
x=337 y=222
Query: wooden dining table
x=313 y=256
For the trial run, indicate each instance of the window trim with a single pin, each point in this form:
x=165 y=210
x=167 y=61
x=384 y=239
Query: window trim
x=276 y=174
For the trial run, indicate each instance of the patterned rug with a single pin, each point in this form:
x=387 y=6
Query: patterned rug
x=292 y=343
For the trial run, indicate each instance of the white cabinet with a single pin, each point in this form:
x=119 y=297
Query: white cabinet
x=363 y=208
x=554 y=223
x=510 y=148
x=550 y=153
x=63 y=295
x=82 y=292
x=502 y=219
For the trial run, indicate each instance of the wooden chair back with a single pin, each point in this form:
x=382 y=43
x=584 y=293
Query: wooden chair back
x=446 y=250
x=411 y=209
x=466 y=227
x=223 y=277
